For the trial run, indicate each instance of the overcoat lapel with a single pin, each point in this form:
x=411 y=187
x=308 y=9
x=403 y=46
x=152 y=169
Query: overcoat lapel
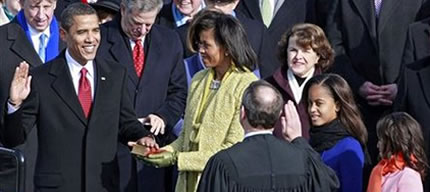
x=153 y=56
x=121 y=51
x=387 y=9
x=103 y=86
x=254 y=7
x=366 y=10
x=22 y=46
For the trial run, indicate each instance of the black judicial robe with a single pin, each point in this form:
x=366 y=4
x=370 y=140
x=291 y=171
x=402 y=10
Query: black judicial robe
x=265 y=163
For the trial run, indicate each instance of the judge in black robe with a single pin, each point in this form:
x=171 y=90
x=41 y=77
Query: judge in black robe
x=262 y=162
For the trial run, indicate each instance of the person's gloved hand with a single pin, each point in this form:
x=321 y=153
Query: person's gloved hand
x=163 y=159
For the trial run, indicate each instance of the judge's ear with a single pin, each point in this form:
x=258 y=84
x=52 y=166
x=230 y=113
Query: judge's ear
x=242 y=113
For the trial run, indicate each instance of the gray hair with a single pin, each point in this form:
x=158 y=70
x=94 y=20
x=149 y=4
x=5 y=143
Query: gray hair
x=263 y=104
x=142 y=5
x=72 y=10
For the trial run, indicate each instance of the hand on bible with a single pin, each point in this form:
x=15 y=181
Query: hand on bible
x=163 y=159
x=20 y=86
x=147 y=141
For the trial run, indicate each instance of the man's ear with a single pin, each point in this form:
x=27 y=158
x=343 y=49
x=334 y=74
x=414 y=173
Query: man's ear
x=63 y=34
x=242 y=113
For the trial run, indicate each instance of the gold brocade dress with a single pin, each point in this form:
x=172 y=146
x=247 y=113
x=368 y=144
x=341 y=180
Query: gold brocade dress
x=211 y=123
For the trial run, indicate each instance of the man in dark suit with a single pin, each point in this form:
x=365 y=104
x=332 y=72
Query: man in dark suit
x=417 y=42
x=262 y=162
x=80 y=106
x=20 y=41
x=414 y=98
x=369 y=38
x=156 y=82
x=283 y=15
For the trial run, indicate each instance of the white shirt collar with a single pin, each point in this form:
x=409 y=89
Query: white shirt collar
x=75 y=72
x=75 y=67
x=262 y=132
x=132 y=43
x=34 y=32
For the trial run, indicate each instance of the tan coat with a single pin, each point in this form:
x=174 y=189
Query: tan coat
x=220 y=127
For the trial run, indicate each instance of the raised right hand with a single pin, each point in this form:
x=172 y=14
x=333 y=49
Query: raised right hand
x=20 y=86
x=291 y=125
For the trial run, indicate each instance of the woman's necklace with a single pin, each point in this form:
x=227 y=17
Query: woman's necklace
x=215 y=84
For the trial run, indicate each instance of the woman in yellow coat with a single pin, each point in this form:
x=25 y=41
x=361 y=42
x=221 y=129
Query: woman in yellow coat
x=211 y=121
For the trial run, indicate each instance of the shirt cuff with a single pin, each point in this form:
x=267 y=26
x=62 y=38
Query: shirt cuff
x=11 y=109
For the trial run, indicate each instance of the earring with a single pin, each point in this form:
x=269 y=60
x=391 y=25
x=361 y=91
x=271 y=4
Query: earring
x=226 y=54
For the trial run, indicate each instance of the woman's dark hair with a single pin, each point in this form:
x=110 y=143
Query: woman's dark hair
x=228 y=33
x=348 y=113
x=308 y=36
x=399 y=132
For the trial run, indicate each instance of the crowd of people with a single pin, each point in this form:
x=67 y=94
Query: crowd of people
x=228 y=95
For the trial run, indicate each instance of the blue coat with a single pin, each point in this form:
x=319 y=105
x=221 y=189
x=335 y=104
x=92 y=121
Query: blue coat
x=346 y=158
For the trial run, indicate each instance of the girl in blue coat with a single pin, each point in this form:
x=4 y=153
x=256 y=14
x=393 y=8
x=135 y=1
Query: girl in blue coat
x=337 y=131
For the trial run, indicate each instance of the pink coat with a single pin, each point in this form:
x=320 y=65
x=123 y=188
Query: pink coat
x=406 y=180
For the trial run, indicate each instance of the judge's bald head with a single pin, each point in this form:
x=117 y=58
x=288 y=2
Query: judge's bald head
x=262 y=104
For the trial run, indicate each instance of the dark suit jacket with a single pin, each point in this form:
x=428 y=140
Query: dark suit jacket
x=414 y=93
x=413 y=97
x=290 y=13
x=265 y=163
x=370 y=49
x=76 y=154
x=161 y=90
x=15 y=48
x=418 y=42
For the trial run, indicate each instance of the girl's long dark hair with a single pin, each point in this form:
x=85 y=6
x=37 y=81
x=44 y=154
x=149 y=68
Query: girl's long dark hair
x=349 y=115
x=399 y=132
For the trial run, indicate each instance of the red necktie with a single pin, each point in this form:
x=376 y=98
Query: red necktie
x=84 y=92
x=138 y=57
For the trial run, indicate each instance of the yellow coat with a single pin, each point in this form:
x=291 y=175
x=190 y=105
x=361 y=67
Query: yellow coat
x=219 y=129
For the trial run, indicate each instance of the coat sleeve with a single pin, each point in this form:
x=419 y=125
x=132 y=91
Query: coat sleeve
x=19 y=124
x=322 y=177
x=174 y=106
x=215 y=177
x=408 y=54
x=130 y=128
x=196 y=160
